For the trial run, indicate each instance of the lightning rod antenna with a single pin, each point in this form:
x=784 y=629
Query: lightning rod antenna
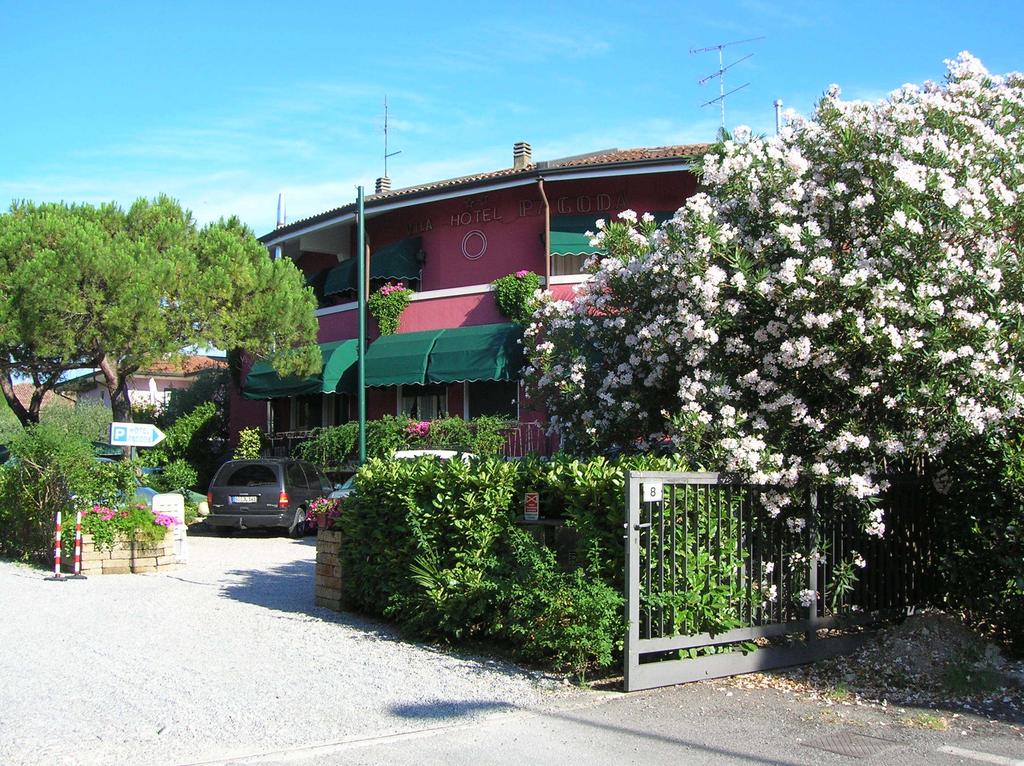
x=386 y=155
x=720 y=73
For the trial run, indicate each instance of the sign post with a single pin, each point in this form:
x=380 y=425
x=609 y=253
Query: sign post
x=135 y=435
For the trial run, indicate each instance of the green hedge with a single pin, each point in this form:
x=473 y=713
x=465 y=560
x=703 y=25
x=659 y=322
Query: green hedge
x=979 y=531
x=433 y=545
x=335 y=446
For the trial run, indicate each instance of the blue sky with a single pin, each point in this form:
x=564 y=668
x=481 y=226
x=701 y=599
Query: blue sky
x=224 y=104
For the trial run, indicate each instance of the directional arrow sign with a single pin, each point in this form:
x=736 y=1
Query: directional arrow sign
x=135 y=435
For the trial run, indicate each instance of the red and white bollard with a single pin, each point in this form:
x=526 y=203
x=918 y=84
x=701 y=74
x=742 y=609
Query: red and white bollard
x=56 y=552
x=78 y=548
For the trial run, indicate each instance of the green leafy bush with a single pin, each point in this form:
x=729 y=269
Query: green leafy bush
x=330 y=447
x=250 y=444
x=176 y=476
x=52 y=470
x=89 y=420
x=979 y=534
x=210 y=385
x=334 y=446
x=514 y=295
x=435 y=546
x=571 y=619
x=387 y=304
x=191 y=438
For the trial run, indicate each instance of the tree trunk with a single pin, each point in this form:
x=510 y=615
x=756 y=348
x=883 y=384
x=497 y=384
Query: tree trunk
x=117 y=389
x=26 y=416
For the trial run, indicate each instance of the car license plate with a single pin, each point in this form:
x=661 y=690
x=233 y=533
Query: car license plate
x=242 y=498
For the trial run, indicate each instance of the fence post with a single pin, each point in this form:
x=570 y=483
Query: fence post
x=631 y=659
x=812 y=560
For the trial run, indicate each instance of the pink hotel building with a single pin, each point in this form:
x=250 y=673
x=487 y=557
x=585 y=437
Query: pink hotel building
x=454 y=352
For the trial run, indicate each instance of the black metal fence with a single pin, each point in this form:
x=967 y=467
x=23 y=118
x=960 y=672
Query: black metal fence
x=725 y=578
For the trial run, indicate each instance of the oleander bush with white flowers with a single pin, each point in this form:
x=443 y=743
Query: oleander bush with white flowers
x=841 y=297
x=840 y=303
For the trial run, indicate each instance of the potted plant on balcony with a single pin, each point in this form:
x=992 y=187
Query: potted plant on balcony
x=514 y=295
x=387 y=304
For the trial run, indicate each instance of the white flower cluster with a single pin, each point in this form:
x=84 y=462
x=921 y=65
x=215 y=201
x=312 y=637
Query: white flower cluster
x=843 y=294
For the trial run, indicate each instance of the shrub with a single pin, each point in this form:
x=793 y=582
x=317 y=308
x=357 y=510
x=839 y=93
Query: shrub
x=250 y=444
x=330 y=447
x=52 y=471
x=434 y=545
x=175 y=476
x=88 y=420
x=979 y=534
x=837 y=297
x=386 y=435
x=387 y=304
x=190 y=438
x=210 y=385
x=514 y=294
x=571 y=619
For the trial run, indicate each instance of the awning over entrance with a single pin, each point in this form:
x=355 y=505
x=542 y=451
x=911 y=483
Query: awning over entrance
x=482 y=352
x=394 y=360
x=338 y=375
x=400 y=260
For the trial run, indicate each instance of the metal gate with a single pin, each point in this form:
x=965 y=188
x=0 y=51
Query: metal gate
x=716 y=586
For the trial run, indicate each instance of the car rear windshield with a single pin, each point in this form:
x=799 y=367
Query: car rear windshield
x=250 y=476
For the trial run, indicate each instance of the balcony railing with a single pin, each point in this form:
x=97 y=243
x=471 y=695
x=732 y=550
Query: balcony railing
x=521 y=439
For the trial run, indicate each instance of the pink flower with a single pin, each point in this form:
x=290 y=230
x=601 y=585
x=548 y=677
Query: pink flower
x=522 y=273
x=391 y=287
x=418 y=429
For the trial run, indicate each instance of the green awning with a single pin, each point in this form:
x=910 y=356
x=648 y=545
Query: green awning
x=481 y=352
x=338 y=375
x=402 y=359
x=568 y=235
x=317 y=281
x=341 y=278
x=400 y=260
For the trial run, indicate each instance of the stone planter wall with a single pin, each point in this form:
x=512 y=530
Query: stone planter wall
x=328 y=570
x=127 y=558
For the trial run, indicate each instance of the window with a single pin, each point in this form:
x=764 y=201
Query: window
x=499 y=398
x=296 y=477
x=338 y=407
x=315 y=479
x=308 y=412
x=251 y=476
x=424 y=402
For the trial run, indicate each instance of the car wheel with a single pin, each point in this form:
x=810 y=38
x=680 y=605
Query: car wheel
x=298 y=528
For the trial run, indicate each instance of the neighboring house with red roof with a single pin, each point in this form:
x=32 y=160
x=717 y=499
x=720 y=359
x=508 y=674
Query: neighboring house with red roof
x=454 y=352
x=150 y=386
x=24 y=393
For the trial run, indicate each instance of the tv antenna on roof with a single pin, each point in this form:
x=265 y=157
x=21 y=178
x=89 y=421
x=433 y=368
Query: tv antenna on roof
x=386 y=155
x=720 y=74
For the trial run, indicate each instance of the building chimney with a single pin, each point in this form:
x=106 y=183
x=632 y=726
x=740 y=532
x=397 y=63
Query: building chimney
x=282 y=215
x=382 y=185
x=521 y=155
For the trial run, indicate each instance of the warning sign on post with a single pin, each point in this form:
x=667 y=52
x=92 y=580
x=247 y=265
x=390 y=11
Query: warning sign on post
x=531 y=506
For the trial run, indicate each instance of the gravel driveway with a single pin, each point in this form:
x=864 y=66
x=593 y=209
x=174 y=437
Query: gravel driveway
x=223 y=657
